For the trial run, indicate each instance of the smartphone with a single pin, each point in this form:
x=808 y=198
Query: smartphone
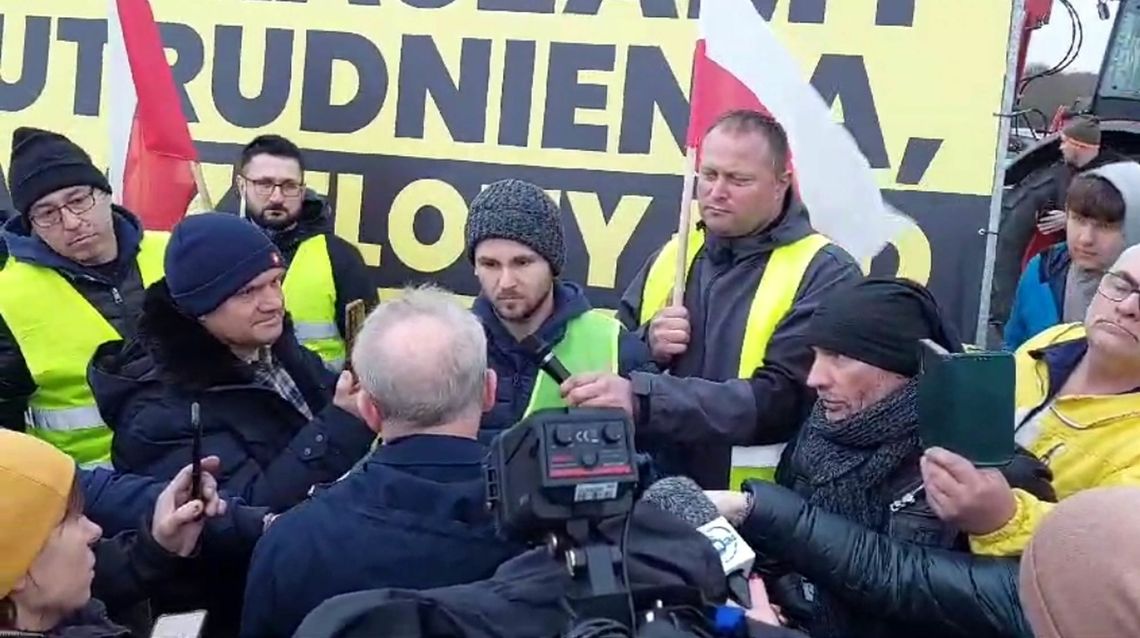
x=196 y=453
x=354 y=315
x=966 y=403
x=188 y=625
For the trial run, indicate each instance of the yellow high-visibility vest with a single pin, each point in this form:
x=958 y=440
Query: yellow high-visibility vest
x=773 y=300
x=310 y=298
x=589 y=345
x=58 y=331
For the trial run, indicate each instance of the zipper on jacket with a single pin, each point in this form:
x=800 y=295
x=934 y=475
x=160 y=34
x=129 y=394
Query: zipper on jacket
x=906 y=500
x=116 y=295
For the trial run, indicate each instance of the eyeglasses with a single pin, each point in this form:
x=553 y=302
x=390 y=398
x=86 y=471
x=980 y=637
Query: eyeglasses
x=1116 y=287
x=265 y=187
x=78 y=206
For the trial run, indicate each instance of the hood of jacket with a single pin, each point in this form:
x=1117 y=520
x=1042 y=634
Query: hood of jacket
x=24 y=245
x=1125 y=177
x=171 y=350
x=570 y=301
x=316 y=219
x=793 y=224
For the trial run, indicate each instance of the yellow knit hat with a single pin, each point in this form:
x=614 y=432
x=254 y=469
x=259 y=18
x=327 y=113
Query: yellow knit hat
x=35 y=485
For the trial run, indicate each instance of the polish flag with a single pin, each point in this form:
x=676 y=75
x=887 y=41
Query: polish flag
x=152 y=156
x=740 y=63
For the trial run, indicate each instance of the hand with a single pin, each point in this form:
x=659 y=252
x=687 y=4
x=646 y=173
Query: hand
x=733 y=506
x=977 y=501
x=669 y=333
x=178 y=521
x=599 y=390
x=347 y=391
x=762 y=610
x=1052 y=222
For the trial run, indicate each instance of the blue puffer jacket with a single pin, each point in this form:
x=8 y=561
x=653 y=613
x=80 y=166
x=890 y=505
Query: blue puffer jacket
x=1040 y=296
x=516 y=366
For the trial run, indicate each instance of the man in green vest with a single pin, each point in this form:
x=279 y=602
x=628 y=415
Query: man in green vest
x=515 y=240
x=735 y=351
x=326 y=273
x=72 y=276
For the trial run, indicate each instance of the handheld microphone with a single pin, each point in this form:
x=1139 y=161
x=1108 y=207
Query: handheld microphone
x=546 y=359
x=683 y=498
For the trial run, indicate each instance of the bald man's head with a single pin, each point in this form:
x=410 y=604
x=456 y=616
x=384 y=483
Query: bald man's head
x=1113 y=317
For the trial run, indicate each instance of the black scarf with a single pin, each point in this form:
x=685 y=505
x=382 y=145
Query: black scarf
x=847 y=464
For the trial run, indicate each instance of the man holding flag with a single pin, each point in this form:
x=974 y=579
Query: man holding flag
x=735 y=350
x=74 y=277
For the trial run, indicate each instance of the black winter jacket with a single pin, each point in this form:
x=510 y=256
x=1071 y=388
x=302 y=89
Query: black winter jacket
x=116 y=291
x=271 y=454
x=350 y=274
x=919 y=579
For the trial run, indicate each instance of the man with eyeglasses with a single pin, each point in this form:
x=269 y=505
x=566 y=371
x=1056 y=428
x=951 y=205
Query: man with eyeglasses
x=74 y=276
x=1078 y=400
x=325 y=272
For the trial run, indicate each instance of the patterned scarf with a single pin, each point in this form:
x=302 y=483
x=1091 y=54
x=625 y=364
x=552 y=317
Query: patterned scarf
x=847 y=464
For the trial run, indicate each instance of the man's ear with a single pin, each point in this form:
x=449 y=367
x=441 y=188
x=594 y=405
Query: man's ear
x=490 y=384
x=370 y=412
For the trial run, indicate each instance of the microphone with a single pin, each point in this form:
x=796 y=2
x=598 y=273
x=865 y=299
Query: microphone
x=546 y=359
x=683 y=498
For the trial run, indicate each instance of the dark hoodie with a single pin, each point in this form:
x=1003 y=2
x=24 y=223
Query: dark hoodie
x=693 y=416
x=517 y=368
x=350 y=274
x=115 y=290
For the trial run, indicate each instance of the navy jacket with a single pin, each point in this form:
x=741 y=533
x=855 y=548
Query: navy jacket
x=1040 y=299
x=517 y=368
x=116 y=291
x=271 y=453
x=412 y=516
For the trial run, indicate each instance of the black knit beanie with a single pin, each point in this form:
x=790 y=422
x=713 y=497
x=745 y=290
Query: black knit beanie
x=880 y=321
x=519 y=211
x=44 y=162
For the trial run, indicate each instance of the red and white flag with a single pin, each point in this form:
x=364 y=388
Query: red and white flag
x=152 y=154
x=740 y=63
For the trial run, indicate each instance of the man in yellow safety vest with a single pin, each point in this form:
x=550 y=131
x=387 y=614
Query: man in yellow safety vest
x=72 y=276
x=325 y=273
x=736 y=350
x=515 y=240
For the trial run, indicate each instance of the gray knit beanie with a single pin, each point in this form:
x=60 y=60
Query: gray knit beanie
x=519 y=211
x=1125 y=177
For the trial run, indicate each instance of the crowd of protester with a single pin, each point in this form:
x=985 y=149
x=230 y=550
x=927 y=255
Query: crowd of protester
x=344 y=470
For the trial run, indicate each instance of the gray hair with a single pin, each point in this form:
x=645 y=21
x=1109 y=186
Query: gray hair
x=432 y=372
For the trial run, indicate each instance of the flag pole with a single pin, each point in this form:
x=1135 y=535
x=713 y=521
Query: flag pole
x=200 y=184
x=683 y=226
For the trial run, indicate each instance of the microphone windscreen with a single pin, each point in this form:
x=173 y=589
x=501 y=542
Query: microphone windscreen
x=683 y=498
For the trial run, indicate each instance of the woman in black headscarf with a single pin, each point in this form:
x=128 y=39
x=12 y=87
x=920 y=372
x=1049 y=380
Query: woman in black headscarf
x=853 y=548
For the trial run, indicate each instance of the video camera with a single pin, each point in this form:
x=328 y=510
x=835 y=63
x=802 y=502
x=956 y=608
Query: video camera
x=554 y=478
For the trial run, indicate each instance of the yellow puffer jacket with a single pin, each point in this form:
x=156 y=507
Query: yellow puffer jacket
x=1087 y=441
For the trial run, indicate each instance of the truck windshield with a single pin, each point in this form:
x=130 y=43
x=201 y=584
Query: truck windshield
x=1121 y=78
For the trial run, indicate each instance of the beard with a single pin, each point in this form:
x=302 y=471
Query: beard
x=521 y=310
x=275 y=218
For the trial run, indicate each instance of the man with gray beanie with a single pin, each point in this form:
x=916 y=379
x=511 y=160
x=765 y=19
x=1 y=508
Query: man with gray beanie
x=216 y=364
x=515 y=240
x=1103 y=218
x=72 y=276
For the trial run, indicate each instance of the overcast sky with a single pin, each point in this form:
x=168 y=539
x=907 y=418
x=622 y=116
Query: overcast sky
x=1049 y=43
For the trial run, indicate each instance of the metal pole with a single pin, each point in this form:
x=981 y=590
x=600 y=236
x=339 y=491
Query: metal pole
x=1017 y=21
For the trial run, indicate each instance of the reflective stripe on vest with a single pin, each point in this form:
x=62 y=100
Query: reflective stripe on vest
x=310 y=298
x=773 y=300
x=589 y=345
x=58 y=331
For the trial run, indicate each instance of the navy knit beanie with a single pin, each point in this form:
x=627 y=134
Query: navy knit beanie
x=44 y=162
x=519 y=211
x=211 y=256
